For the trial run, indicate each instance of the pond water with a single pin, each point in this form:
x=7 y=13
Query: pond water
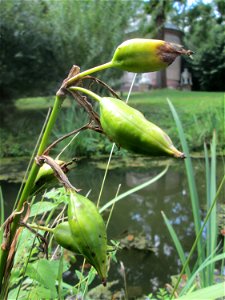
x=141 y=213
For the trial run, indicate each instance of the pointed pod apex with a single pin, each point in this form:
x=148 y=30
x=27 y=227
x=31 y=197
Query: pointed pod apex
x=104 y=282
x=177 y=153
x=169 y=51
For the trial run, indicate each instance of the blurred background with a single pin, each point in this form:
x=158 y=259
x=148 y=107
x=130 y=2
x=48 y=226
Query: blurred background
x=42 y=39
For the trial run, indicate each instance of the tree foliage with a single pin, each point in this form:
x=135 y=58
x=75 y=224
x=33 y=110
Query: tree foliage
x=41 y=40
x=203 y=25
x=209 y=63
x=161 y=11
x=25 y=54
x=205 y=34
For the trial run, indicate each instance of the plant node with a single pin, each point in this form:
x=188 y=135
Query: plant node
x=60 y=175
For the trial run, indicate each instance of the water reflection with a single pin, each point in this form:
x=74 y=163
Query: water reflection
x=141 y=212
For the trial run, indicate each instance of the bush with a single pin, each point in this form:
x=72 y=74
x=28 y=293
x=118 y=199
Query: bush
x=43 y=39
x=209 y=63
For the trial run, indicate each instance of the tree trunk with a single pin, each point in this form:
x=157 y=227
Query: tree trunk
x=160 y=22
x=158 y=10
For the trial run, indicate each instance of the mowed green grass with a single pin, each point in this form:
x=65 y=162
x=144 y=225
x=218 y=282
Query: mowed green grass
x=187 y=101
x=33 y=103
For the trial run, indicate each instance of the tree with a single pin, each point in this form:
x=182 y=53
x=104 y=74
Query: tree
x=25 y=54
x=203 y=27
x=159 y=18
x=209 y=63
x=204 y=33
x=41 y=40
x=161 y=11
x=92 y=30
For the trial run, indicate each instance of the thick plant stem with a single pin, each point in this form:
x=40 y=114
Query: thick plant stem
x=87 y=92
x=88 y=72
x=29 y=184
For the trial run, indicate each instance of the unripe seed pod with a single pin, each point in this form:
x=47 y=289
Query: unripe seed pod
x=128 y=128
x=45 y=177
x=146 y=55
x=89 y=232
x=64 y=237
x=139 y=56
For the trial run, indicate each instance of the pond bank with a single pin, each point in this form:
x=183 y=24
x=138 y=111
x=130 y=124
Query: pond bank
x=12 y=169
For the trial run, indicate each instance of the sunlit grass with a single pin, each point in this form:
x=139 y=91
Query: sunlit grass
x=186 y=100
x=33 y=103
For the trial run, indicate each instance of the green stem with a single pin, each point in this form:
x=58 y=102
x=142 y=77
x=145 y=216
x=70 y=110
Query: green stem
x=88 y=72
x=105 y=174
x=29 y=184
x=38 y=227
x=85 y=91
x=198 y=236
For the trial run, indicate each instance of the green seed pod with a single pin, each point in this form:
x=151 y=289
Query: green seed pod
x=139 y=56
x=146 y=55
x=89 y=232
x=45 y=178
x=64 y=237
x=128 y=128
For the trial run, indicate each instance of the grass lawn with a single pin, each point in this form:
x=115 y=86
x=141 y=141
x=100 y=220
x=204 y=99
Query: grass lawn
x=188 y=101
x=37 y=103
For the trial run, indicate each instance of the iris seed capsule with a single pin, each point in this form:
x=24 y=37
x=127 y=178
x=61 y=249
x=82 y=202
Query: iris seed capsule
x=128 y=128
x=64 y=237
x=146 y=55
x=89 y=232
x=139 y=56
